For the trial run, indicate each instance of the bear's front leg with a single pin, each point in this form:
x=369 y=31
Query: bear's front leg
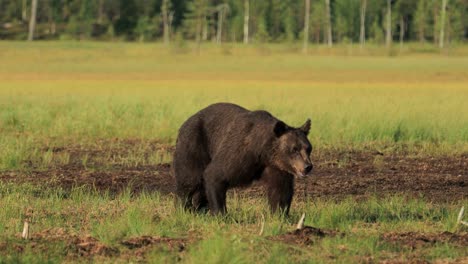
x=216 y=190
x=280 y=189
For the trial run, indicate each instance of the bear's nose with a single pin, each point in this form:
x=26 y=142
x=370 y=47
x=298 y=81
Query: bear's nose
x=308 y=168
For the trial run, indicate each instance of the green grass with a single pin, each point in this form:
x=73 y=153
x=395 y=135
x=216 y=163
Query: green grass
x=230 y=239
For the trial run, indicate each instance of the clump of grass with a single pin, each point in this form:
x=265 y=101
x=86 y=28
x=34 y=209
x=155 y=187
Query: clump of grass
x=160 y=156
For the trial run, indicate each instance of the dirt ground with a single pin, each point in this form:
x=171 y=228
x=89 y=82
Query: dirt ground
x=88 y=247
x=136 y=248
x=337 y=174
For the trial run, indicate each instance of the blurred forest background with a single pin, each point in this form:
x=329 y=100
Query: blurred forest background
x=309 y=21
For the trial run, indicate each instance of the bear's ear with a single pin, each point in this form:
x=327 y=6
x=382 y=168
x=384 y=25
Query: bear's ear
x=306 y=127
x=280 y=128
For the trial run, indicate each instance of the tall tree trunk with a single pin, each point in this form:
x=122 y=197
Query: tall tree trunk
x=329 y=24
x=306 y=26
x=213 y=28
x=100 y=19
x=165 y=16
x=198 y=30
x=219 y=32
x=205 y=29
x=53 y=28
x=435 y=13
x=362 y=32
x=169 y=30
x=24 y=11
x=246 y=20
x=442 y=23
x=421 y=15
x=388 y=39
x=51 y=21
x=402 y=31
x=32 y=20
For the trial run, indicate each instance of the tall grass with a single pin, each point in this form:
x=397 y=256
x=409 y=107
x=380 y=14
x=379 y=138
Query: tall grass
x=342 y=117
x=61 y=93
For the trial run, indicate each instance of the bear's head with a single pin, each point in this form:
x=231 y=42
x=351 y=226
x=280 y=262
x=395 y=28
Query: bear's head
x=291 y=151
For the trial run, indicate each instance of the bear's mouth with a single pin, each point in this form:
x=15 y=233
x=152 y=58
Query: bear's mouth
x=299 y=174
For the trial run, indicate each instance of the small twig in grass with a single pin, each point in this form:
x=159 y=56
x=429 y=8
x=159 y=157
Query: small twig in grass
x=25 y=234
x=27 y=223
x=262 y=225
x=460 y=216
x=300 y=224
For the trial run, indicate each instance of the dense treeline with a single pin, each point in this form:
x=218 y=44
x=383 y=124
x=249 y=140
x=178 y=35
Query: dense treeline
x=328 y=21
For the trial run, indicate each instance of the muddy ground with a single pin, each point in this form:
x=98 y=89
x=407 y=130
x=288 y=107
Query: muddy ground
x=337 y=174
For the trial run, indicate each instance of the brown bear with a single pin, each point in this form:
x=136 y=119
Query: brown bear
x=225 y=146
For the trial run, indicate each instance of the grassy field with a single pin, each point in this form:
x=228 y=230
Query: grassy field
x=369 y=231
x=75 y=95
x=83 y=91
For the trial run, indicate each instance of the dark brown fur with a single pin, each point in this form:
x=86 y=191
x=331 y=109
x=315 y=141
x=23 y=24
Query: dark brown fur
x=225 y=146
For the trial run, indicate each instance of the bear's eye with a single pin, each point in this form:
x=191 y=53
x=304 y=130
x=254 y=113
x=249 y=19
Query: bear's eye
x=295 y=150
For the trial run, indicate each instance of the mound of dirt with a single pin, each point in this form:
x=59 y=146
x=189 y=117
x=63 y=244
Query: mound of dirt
x=86 y=246
x=305 y=236
x=144 y=241
x=89 y=247
x=417 y=240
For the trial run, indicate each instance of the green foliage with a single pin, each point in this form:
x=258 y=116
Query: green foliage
x=347 y=19
x=421 y=20
x=377 y=32
x=270 y=20
x=262 y=32
x=145 y=28
x=290 y=22
x=317 y=20
x=456 y=28
x=128 y=18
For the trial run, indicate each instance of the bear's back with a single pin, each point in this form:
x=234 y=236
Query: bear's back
x=226 y=125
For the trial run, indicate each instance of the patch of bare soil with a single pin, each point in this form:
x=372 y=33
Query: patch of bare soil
x=90 y=247
x=144 y=241
x=305 y=236
x=76 y=246
x=416 y=239
x=337 y=174
x=364 y=172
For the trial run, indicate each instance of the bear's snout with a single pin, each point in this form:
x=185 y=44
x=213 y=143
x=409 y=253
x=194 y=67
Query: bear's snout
x=308 y=169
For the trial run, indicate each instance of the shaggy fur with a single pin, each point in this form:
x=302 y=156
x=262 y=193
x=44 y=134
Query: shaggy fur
x=225 y=146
